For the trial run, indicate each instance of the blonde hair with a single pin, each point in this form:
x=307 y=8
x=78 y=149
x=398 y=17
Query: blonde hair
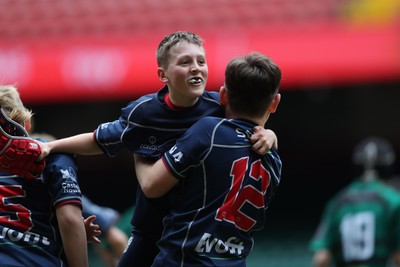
x=12 y=105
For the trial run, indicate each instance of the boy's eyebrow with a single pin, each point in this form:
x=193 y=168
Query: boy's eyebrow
x=190 y=55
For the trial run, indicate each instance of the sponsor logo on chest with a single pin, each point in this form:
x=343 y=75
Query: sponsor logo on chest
x=151 y=145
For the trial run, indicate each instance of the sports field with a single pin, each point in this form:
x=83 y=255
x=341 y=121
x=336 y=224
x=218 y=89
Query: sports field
x=281 y=248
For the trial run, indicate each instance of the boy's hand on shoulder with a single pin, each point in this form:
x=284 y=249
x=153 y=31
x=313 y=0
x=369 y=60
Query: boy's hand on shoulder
x=263 y=140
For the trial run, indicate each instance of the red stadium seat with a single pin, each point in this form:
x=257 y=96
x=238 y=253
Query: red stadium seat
x=40 y=18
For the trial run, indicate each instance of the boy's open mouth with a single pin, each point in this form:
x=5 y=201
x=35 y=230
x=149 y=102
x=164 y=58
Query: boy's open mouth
x=195 y=80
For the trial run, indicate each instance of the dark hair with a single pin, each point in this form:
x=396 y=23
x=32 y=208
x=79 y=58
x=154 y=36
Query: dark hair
x=171 y=40
x=374 y=153
x=252 y=82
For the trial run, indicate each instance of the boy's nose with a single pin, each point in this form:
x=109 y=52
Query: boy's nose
x=195 y=67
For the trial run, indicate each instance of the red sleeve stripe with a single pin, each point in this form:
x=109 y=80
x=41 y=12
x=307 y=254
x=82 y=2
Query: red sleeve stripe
x=70 y=202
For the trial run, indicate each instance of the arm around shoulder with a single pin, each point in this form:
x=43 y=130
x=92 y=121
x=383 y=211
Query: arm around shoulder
x=263 y=140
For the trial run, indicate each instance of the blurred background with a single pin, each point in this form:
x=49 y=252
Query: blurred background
x=78 y=62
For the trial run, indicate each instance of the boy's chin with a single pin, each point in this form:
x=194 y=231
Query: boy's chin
x=198 y=91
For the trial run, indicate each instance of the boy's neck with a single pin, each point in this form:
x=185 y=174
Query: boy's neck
x=169 y=103
x=258 y=120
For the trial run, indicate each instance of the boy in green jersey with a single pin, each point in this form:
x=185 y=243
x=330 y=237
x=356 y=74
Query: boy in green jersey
x=360 y=226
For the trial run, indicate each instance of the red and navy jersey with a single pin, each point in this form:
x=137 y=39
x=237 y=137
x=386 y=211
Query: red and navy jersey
x=223 y=193
x=148 y=126
x=29 y=232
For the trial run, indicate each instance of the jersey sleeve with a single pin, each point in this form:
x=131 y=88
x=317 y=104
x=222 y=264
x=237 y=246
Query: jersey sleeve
x=397 y=229
x=275 y=168
x=109 y=135
x=61 y=175
x=322 y=238
x=395 y=218
x=190 y=149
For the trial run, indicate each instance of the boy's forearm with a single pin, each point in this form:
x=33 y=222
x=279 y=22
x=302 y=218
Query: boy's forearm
x=81 y=144
x=142 y=168
x=154 y=178
x=73 y=235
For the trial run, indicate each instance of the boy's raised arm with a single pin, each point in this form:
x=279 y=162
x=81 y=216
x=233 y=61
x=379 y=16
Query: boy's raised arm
x=81 y=144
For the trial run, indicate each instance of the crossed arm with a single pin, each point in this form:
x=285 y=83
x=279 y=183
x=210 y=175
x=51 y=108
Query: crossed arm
x=154 y=178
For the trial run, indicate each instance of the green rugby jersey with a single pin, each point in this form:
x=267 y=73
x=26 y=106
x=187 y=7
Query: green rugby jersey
x=360 y=225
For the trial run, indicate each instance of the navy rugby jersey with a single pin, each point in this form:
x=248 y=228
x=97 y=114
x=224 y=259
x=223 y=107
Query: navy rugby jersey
x=29 y=232
x=224 y=191
x=148 y=126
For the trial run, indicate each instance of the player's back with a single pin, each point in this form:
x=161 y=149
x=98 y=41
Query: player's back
x=29 y=234
x=365 y=223
x=222 y=198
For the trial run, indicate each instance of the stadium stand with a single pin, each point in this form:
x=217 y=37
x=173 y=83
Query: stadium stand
x=45 y=18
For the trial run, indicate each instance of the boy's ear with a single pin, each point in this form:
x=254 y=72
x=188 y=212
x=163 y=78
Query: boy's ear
x=274 y=104
x=161 y=75
x=223 y=98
